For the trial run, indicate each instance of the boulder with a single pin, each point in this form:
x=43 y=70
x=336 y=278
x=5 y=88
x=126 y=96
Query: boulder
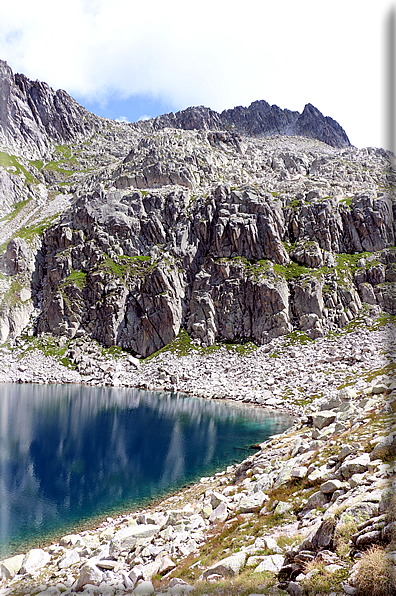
x=219 y=514
x=271 y=563
x=11 y=566
x=356 y=465
x=227 y=567
x=324 y=418
x=144 y=588
x=89 y=574
x=126 y=538
x=70 y=557
x=34 y=560
x=252 y=502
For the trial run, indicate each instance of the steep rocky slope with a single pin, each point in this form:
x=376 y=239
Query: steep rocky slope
x=175 y=224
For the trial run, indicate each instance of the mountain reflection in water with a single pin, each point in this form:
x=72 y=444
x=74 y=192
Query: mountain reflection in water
x=69 y=453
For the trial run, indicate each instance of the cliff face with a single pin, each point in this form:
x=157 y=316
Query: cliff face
x=197 y=220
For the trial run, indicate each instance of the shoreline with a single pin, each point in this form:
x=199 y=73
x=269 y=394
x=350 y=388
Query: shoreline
x=217 y=501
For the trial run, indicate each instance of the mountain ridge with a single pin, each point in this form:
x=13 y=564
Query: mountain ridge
x=31 y=112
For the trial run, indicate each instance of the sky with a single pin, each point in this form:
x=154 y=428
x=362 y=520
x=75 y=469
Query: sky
x=131 y=60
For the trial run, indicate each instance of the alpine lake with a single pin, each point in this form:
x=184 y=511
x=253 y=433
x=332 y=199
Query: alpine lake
x=71 y=455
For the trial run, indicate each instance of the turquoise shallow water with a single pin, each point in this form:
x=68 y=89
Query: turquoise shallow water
x=71 y=454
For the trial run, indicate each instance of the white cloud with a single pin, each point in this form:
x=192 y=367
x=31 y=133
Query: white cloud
x=212 y=53
x=122 y=119
x=144 y=117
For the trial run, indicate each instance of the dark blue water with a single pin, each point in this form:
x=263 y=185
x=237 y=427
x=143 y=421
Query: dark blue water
x=69 y=454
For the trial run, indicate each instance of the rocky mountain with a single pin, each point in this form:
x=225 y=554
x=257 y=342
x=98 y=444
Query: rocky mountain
x=259 y=119
x=244 y=225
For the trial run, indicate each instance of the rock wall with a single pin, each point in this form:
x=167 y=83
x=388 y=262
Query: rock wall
x=131 y=268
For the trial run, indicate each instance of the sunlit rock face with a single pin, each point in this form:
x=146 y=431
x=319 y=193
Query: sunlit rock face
x=233 y=226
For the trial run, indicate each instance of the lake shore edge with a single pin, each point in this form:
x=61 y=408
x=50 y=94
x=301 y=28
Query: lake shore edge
x=277 y=493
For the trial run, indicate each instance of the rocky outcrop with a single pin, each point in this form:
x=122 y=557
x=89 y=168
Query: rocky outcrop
x=131 y=268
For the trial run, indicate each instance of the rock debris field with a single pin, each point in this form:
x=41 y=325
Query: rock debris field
x=287 y=373
x=317 y=497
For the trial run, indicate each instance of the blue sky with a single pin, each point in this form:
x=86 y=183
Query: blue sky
x=130 y=109
x=128 y=59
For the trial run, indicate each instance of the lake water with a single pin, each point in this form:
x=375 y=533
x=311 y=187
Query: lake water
x=72 y=454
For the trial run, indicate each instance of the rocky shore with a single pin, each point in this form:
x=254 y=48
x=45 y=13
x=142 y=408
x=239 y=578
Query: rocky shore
x=297 y=517
x=288 y=373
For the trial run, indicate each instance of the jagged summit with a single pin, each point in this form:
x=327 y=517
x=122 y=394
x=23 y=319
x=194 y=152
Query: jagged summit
x=259 y=119
x=33 y=115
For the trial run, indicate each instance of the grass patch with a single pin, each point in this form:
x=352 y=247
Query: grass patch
x=12 y=165
x=183 y=345
x=17 y=208
x=37 y=163
x=375 y=575
x=77 y=278
x=11 y=297
x=321 y=581
x=125 y=267
x=55 y=167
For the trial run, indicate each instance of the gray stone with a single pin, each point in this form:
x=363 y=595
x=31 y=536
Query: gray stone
x=323 y=418
x=73 y=540
x=331 y=486
x=228 y=567
x=143 y=589
x=89 y=574
x=252 y=502
x=70 y=557
x=316 y=500
x=166 y=564
x=282 y=507
x=299 y=472
x=271 y=563
x=34 y=560
x=126 y=538
x=294 y=589
x=219 y=514
x=353 y=466
x=10 y=567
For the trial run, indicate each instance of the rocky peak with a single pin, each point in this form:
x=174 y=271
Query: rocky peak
x=33 y=115
x=312 y=123
x=258 y=120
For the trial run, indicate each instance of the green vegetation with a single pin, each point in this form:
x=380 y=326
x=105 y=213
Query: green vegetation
x=49 y=346
x=125 y=267
x=30 y=232
x=77 y=278
x=17 y=207
x=375 y=575
x=345 y=266
x=12 y=165
x=347 y=201
x=37 y=163
x=183 y=345
x=55 y=167
x=11 y=297
x=292 y=270
x=321 y=581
